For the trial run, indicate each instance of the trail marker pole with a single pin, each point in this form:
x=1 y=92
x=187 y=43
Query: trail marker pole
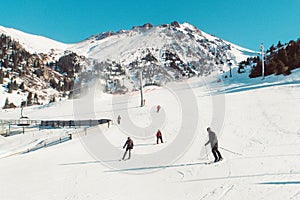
x=262 y=60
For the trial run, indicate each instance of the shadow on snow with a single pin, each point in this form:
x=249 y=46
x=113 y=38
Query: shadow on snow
x=281 y=183
x=157 y=167
x=90 y=162
x=256 y=86
x=246 y=176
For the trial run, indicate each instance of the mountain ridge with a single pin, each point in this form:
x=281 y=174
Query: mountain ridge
x=161 y=53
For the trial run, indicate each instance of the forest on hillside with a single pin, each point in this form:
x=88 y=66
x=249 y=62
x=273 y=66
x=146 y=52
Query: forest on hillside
x=28 y=73
x=279 y=59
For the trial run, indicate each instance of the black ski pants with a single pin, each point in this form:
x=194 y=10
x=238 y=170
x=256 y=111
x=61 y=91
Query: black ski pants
x=216 y=152
x=159 y=138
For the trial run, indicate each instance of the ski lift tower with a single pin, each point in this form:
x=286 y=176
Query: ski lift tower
x=262 y=48
x=23 y=121
x=141 y=86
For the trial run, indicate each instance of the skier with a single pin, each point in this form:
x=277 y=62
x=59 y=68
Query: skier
x=214 y=144
x=119 y=119
x=159 y=137
x=158 y=108
x=129 y=145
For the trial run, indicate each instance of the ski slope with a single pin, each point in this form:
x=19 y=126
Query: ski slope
x=34 y=43
x=257 y=127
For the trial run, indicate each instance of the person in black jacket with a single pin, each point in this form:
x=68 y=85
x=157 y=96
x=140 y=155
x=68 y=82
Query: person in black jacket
x=129 y=145
x=213 y=140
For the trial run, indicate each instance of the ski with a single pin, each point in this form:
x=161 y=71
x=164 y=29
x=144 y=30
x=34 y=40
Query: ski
x=214 y=162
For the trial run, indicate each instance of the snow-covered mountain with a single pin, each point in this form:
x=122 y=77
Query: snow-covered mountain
x=34 y=43
x=185 y=40
x=164 y=53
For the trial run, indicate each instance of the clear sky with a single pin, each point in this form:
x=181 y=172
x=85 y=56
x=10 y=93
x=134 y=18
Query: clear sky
x=247 y=23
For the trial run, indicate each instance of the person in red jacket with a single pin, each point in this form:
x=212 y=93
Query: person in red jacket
x=158 y=108
x=159 y=137
x=129 y=146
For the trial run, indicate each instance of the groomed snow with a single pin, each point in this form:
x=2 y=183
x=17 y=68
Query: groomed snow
x=259 y=138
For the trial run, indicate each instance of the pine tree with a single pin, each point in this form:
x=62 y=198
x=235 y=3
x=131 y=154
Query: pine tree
x=1 y=77
x=271 y=68
x=15 y=85
x=280 y=68
x=29 y=99
x=272 y=49
x=279 y=44
x=36 y=99
x=257 y=70
x=9 y=87
x=23 y=104
x=21 y=87
x=52 y=99
x=6 y=104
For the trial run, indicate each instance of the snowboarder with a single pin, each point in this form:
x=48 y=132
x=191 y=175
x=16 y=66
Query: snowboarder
x=129 y=145
x=158 y=108
x=159 y=137
x=214 y=144
x=119 y=119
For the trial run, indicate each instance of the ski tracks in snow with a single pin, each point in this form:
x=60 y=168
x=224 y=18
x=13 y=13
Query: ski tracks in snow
x=218 y=193
x=296 y=196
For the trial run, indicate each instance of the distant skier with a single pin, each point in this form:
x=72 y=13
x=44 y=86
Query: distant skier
x=129 y=145
x=119 y=119
x=158 y=108
x=159 y=137
x=214 y=145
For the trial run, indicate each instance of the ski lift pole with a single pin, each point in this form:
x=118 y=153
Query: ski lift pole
x=262 y=60
x=141 y=87
x=206 y=152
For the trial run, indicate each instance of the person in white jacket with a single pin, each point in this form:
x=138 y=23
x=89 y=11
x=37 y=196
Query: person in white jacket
x=213 y=140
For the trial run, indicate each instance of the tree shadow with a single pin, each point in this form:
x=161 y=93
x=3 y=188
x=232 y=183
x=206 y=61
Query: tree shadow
x=254 y=86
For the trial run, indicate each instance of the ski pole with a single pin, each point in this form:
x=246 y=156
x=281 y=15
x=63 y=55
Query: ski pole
x=206 y=152
x=231 y=151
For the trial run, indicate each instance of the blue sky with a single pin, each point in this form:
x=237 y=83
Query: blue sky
x=246 y=23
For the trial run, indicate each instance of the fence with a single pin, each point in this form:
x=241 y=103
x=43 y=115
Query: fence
x=12 y=127
x=49 y=142
x=73 y=123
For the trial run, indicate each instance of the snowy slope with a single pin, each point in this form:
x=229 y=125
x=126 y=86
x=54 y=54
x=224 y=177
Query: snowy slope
x=259 y=138
x=34 y=43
